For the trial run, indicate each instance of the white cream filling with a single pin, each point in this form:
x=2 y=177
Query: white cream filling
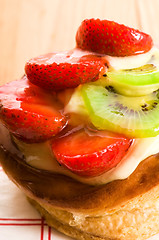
x=134 y=61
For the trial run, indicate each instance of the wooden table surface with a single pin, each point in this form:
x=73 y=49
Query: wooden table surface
x=32 y=27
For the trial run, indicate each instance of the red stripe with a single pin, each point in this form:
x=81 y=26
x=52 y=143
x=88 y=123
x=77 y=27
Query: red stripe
x=49 y=233
x=42 y=229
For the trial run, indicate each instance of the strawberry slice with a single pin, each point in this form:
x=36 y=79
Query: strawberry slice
x=111 y=38
x=29 y=112
x=58 y=71
x=90 y=155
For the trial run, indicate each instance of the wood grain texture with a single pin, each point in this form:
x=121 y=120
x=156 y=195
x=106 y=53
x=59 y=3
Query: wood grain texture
x=32 y=27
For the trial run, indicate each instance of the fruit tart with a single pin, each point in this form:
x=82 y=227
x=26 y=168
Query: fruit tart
x=80 y=134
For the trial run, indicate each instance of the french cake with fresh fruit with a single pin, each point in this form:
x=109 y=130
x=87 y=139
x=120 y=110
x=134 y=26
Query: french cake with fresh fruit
x=80 y=134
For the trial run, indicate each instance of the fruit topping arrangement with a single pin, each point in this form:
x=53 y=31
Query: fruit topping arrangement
x=91 y=129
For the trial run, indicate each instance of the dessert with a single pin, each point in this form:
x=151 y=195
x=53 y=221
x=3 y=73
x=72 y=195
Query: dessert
x=80 y=134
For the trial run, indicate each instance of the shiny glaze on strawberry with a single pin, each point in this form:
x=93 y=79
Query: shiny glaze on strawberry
x=58 y=71
x=111 y=38
x=90 y=155
x=29 y=112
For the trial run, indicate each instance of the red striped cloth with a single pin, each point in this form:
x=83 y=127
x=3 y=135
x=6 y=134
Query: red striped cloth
x=18 y=219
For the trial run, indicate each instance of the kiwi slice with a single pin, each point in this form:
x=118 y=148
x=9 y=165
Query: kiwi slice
x=132 y=116
x=135 y=82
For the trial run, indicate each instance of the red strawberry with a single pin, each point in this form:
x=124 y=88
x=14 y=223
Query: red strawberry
x=111 y=38
x=87 y=155
x=29 y=112
x=64 y=70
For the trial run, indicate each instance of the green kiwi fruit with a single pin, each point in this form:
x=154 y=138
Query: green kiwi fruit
x=135 y=117
x=135 y=82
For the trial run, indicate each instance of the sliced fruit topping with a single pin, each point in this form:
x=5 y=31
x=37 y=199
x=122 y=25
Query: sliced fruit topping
x=126 y=89
x=29 y=112
x=90 y=155
x=64 y=70
x=135 y=82
x=132 y=116
x=111 y=38
x=145 y=75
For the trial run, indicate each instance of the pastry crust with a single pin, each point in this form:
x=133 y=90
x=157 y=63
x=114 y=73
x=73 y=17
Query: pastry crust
x=64 y=227
x=136 y=224
x=122 y=209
